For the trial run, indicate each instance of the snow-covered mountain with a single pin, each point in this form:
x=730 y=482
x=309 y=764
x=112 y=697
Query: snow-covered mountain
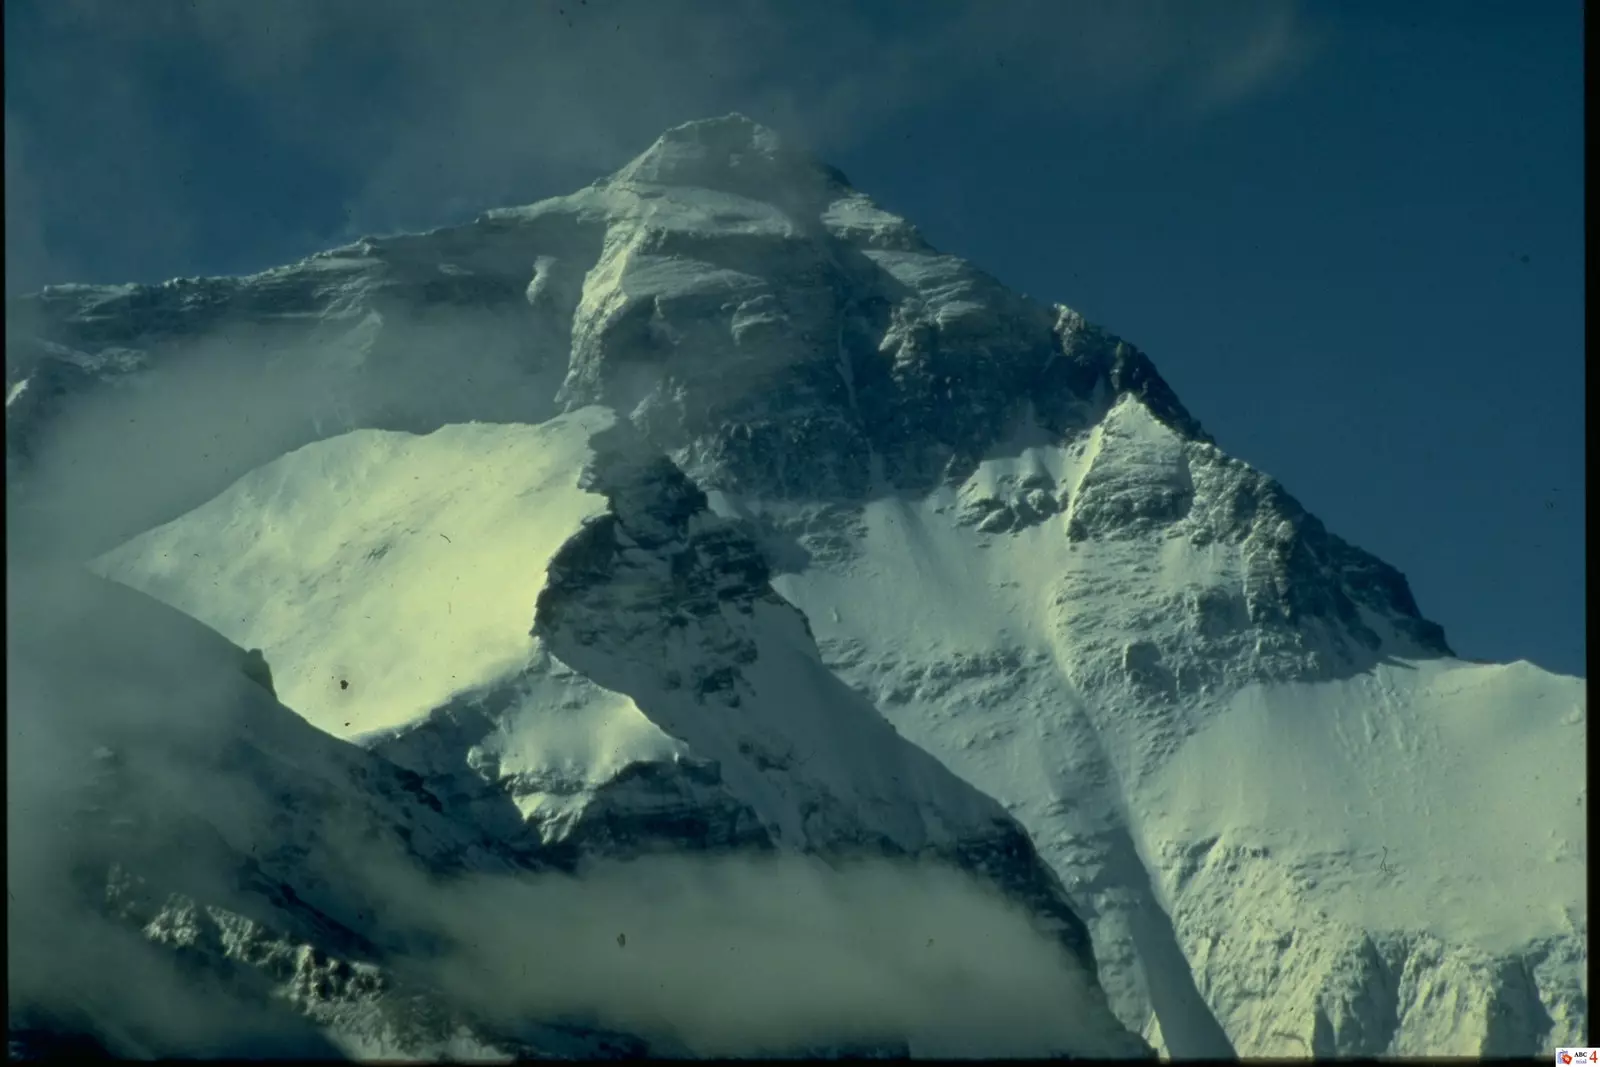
x=709 y=508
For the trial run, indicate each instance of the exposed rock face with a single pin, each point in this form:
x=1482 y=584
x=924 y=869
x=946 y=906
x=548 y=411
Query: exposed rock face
x=662 y=581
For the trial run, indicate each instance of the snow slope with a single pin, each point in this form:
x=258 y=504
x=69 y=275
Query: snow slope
x=1408 y=831
x=377 y=541
x=1004 y=532
x=1433 y=814
x=611 y=630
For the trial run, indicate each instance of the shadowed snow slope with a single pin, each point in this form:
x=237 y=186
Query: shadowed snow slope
x=191 y=867
x=788 y=481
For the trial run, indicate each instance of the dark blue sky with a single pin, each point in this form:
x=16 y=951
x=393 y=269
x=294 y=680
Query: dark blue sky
x=1349 y=234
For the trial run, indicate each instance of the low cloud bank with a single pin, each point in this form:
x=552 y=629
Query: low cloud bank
x=739 y=955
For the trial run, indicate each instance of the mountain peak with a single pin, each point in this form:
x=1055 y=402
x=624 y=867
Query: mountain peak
x=758 y=522
x=735 y=130
x=731 y=153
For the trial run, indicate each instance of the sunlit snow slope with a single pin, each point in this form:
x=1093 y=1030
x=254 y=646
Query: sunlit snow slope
x=1294 y=822
x=1388 y=859
x=345 y=564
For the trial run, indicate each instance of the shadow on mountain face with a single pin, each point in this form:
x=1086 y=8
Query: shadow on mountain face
x=1188 y=1025
x=95 y=671
x=81 y=983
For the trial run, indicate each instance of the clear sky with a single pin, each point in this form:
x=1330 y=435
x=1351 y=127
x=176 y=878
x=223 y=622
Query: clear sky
x=1349 y=234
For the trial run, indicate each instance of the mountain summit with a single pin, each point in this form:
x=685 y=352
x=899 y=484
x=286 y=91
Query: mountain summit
x=735 y=155
x=709 y=509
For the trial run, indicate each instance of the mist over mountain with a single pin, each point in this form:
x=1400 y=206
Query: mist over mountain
x=695 y=616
